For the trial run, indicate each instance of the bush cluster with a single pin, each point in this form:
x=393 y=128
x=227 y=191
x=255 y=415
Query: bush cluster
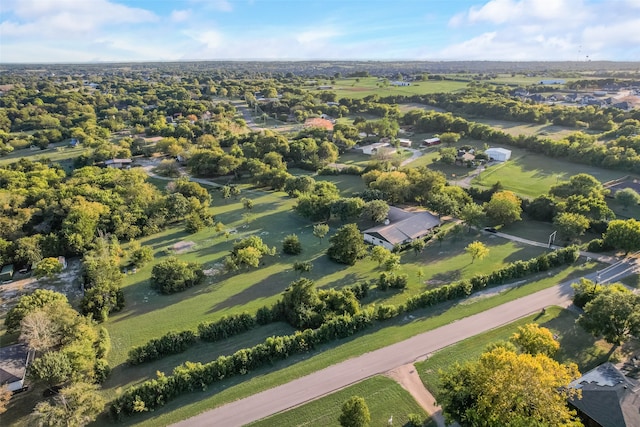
x=226 y=327
x=170 y=343
x=349 y=170
x=191 y=376
x=394 y=281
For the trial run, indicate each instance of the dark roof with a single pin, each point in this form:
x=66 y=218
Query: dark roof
x=13 y=363
x=404 y=225
x=114 y=161
x=608 y=397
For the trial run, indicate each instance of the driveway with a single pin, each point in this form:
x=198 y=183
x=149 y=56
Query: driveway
x=340 y=375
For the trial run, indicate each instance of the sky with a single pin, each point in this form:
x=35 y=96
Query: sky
x=62 y=31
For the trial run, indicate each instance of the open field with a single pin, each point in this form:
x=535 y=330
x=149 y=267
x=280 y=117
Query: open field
x=384 y=334
x=62 y=155
x=366 y=86
x=519 y=128
x=384 y=398
x=576 y=345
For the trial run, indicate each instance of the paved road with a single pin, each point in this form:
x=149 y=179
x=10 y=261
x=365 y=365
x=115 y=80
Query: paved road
x=351 y=371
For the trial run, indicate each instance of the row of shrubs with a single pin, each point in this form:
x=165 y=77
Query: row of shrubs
x=197 y=376
x=227 y=326
x=390 y=280
x=348 y=170
x=191 y=376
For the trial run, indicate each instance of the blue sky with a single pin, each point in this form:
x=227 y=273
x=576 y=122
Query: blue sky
x=152 y=30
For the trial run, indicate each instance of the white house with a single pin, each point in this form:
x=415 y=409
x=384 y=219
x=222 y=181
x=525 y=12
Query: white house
x=372 y=149
x=498 y=154
x=401 y=227
x=400 y=83
x=13 y=365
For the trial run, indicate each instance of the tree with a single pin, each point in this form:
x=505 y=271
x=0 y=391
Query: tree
x=585 y=291
x=614 y=314
x=48 y=267
x=473 y=215
x=418 y=246
x=571 y=225
x=347 y=245
x=172 y=275
x=291 y=245
x=30 y=303
x=379 y=254
x=140 y=255
x=449 y=138
x=320 y=230
x=477 y=250
x=355 y=413
x=375 y=210
x=247 y=203
x=504 y=207
x=504 y=388
x=39 y=331
x=623 y=234
x=448 y=155
x=52 y=368
x=75 y=406
x=302 y=267
x=627 y=197
x=533 y=339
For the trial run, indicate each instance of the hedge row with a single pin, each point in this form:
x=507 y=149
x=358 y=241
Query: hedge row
x=191 y=376
x=226 y=327
x=515 y=270
x=171 y=343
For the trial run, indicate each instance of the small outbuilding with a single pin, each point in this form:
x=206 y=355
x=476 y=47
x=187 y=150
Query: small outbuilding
x=498 y=154
x=431 y=141
x=404 y=142
x=14 y=360
x=6 y=273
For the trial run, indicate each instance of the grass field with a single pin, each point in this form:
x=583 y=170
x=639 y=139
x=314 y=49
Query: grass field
x=384 y=398
x=519 y=128
x=366 y=86
x=61 y=155
x=380 y=336
x=576 y=345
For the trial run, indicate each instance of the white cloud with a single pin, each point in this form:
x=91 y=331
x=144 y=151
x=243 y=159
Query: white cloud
x=180 y=15
x=316 y=35
x=60 y=18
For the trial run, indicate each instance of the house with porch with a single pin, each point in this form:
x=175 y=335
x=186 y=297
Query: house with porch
x=401 y=227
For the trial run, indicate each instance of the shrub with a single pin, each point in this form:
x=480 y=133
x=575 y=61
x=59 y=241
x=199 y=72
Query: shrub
x=225 y=327
x=291 y=245
x=171 y=343
x=173 y=275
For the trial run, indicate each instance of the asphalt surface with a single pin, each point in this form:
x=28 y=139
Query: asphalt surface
x=335 y=377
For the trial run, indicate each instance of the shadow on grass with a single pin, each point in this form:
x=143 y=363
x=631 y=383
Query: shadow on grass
x=576 y=345
x=163 y=241
x=292 y=362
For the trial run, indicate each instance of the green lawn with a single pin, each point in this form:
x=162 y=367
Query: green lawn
x=531 y=174
x=576 y=345
x=378 y=337
x=61 y=155
x=384 y=398
x=366 y=86
x=521 y=128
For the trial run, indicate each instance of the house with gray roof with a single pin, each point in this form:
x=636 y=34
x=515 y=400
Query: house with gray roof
x=609 y=398
x=401 y=227
x=14 y=360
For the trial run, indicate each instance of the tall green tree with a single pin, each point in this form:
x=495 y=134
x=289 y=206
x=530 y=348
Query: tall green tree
x=627 y=197
x=320 y=231
x=571 y=225
x=473 y=215
x=504 y=207
x=504 y=388
x=614 y=314
x=477 y=250
x=75 y=406
x=534 y=339
x=623 y=234
x=355 y=413
x=347 y=245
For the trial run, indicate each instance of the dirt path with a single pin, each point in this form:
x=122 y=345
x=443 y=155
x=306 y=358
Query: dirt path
x=408 y=378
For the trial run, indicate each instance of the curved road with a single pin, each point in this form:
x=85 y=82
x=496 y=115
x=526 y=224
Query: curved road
x=340 y=375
